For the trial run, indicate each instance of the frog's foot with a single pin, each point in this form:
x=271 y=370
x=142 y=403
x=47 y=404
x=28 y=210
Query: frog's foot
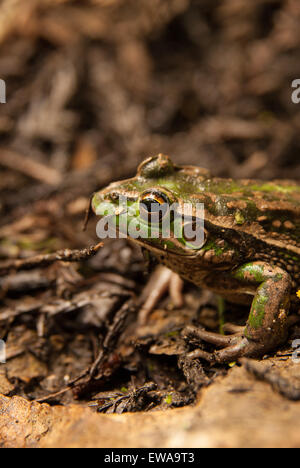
x=161 y=281
x=233 y=346
x=240 y=347
x=200 y=334
x=268 y=321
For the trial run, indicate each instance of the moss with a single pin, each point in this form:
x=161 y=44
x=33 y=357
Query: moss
x=239 y=217
x=172 y=333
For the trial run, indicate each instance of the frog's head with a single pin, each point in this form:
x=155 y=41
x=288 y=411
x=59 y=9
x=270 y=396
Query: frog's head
x=154 y=208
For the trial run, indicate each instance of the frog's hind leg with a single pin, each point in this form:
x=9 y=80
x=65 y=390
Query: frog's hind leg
x=268 y=322
x=191 y=332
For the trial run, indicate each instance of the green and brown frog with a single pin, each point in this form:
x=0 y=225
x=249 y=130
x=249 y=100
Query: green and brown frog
x=249 y=252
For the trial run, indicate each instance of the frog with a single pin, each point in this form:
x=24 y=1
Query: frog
x=249 y=252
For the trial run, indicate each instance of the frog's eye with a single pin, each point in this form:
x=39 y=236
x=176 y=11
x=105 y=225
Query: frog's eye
x=154 y=206
x=194 y=234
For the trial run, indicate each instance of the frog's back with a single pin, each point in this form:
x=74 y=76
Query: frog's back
x=265 y=215
x=269 y=211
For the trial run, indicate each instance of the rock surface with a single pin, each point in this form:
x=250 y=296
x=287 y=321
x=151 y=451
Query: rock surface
x=236 y=411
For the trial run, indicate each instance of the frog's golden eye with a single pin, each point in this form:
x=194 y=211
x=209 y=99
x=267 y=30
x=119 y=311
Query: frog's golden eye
x=154 y=206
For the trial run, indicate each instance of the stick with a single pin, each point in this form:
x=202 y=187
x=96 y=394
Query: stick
x=43 y=261
x=29 y=167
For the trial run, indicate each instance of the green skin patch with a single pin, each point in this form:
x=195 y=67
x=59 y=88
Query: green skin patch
x=254 y=273
x=211 y=245
x=132 y=224
x=258 y=309
x=269 y=283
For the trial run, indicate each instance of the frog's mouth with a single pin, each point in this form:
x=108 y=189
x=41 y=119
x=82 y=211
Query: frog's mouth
x=151 y=236
x=159 y=245
x=165 y=251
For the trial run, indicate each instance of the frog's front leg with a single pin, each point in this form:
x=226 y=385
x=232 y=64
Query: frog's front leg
x=267 y=325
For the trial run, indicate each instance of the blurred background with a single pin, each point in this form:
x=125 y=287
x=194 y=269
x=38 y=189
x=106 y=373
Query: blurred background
x=96 y=86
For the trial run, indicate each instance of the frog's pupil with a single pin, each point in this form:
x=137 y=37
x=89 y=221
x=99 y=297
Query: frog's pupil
x=152 y=206
x=152 y=210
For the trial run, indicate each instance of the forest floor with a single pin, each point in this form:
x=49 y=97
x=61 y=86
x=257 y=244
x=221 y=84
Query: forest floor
x=92 y=89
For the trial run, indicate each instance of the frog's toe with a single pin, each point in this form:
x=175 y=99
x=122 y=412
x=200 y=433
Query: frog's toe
x=196 y=333
x=233 y=346
x=232 y=328
x=243 y=347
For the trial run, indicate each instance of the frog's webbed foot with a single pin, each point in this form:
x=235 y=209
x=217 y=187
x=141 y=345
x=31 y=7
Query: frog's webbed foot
x=233 y=346
x=242 y=348
x=161 y=281
x=200 y=334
